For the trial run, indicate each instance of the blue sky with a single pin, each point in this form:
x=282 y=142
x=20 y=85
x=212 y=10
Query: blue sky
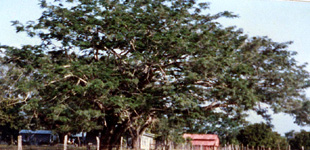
x=280 y=20
x=22 y=10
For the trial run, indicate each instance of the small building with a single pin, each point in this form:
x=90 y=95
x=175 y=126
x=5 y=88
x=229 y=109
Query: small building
x=203 y=141
x=38 y=137
x=147 y=141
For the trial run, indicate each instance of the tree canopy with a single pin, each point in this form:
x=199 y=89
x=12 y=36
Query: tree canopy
x=260 y=134
x=120 y=65
x=297 y=140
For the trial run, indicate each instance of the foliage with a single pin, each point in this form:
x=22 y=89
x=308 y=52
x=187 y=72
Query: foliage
x=11 y=116
x=299 y=140
x=261 y=135
x=301 y=113
x=218 y=123
x=116 y=66
x=172 y=128
x=168 y=130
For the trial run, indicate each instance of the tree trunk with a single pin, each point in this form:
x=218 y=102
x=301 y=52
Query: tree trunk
x=106 y=142
x=61 y=137
x=136 y=142
x=110 y=140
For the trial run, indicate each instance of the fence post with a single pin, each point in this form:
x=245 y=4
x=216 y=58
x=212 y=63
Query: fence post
x=65 y=142
x=121 y=143
x=20 y=142
x=98 y=143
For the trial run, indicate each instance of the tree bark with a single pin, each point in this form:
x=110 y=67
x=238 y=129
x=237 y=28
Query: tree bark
x=136 y=142
x=110 y=138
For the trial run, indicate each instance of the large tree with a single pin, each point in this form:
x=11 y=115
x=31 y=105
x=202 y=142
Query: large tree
x=112 y=66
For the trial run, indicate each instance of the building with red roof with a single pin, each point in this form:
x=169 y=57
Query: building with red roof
x=203 y=141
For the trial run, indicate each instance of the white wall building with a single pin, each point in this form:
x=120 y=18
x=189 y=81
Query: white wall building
x=147 y=141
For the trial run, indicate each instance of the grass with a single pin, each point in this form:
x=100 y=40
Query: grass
x=43 y=147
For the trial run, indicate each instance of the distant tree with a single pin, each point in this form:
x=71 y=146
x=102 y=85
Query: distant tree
x=260 y=134
x=112 y=66
x=290 y=135
x=302 y=117
x=300 y=139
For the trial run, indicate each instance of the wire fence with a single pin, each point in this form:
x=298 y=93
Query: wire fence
x=242 y=147
x=158 y=147
x=144 y=146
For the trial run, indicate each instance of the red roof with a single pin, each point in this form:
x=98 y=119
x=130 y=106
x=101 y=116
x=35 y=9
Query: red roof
x=203 y=139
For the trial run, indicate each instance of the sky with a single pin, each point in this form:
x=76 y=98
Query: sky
x=280 y=20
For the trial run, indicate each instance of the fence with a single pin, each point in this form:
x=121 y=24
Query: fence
x=226 y=147
x=242 y=147
x=45 y=147
x=63 y=146
x=93 y=147
x=168 y=146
